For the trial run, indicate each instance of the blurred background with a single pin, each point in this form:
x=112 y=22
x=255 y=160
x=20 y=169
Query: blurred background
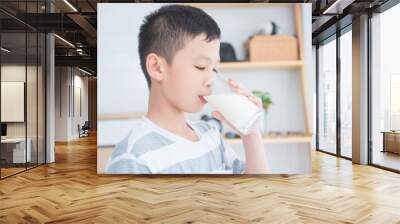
x=266 y=47
x=49 y=58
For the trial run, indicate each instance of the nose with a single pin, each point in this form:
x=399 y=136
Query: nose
x=209 y=83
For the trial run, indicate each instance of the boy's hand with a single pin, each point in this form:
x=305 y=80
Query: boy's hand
x=256 y=162
x=238 y=88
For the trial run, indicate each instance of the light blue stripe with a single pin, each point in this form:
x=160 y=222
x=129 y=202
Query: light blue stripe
x=127 y=166
x=121 y=147
x=148 y=143
x=203 y=127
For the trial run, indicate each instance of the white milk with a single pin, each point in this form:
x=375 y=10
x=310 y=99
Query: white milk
x=237 y=109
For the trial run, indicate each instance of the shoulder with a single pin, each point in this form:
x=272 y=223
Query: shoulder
x=206 y=130
x=203 y=126
x=141 y=139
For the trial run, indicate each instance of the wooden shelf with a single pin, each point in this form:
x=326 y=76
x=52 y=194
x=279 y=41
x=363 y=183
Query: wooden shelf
x=253 y=65
x=284 y=139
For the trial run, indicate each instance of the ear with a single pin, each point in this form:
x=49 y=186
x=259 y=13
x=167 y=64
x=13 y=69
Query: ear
x=155 y=66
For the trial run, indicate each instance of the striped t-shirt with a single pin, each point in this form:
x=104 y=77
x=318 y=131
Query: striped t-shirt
x=150 y=149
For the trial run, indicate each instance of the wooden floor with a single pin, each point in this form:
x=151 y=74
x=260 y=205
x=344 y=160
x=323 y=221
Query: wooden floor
x=5 y=172
x=70 y=191
x=10 y=171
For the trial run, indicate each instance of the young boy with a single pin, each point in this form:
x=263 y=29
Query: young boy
x=179 y=53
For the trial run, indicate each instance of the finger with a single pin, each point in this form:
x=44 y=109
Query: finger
x=233 y=83
x=217 y=115
x=255 y=100
x=239 y=88
x=243 y=92
x=251 y=97
x=246 y=92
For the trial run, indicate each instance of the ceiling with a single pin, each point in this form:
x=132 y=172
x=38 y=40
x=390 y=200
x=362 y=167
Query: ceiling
x=76 y=22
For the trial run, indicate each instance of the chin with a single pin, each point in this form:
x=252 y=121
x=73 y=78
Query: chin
x=194 y=108
x=191 y=106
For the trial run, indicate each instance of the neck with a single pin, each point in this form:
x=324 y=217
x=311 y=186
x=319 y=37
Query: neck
x=165 y=115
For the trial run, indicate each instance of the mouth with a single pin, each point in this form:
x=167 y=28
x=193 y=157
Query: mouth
x=202 y=99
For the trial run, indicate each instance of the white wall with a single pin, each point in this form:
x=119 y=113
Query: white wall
x=68 y=81
x=61 y=103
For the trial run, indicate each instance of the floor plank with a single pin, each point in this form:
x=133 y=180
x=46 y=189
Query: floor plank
x=70 y=191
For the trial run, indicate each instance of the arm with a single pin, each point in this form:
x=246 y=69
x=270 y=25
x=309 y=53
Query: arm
x=256 y=162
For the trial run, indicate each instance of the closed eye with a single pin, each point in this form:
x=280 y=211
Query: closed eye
x=200 y=68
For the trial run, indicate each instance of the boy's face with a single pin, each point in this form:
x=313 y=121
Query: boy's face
x=190 y=75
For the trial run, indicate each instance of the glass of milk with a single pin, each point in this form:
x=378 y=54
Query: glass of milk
x=237 y=109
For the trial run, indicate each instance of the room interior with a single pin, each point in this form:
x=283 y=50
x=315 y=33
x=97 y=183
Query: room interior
x=49 y=151
x=288 y=80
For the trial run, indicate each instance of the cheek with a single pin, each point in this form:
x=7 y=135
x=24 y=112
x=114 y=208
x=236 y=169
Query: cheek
x=183 y=84
x=175 y=87
x=183 y=90
x=185 y=81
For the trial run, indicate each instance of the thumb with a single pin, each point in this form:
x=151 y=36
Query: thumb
x=218 y=115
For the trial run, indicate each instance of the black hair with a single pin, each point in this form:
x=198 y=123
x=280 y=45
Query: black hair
x=167 y=30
